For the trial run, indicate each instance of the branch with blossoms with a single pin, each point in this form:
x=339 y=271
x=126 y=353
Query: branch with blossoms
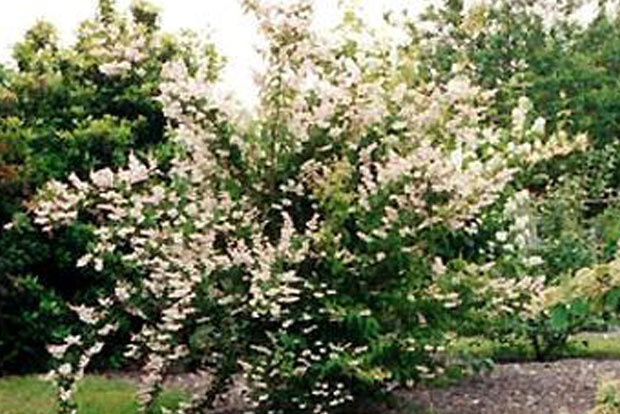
x=302 y=239
x=76 y=352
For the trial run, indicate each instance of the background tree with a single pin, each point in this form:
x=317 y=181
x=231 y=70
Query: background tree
x=63 y=111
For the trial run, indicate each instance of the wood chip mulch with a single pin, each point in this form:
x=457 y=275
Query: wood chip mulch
x=563 y=387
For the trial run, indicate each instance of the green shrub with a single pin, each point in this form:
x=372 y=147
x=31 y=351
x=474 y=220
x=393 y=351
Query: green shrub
x=62 y=114
x=570 y=75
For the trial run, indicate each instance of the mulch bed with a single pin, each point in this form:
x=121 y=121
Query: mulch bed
x=562 y=387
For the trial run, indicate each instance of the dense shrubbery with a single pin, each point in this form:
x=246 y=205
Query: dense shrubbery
x=309 y=248
x=538 y=49
x=68 y=111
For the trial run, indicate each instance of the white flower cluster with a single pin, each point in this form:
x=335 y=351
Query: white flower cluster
x=117 y=45
x=76 y=352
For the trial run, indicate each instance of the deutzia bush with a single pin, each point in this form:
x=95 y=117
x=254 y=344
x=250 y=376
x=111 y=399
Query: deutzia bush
x=65 y=109
x=516 y=295
x=301 y=243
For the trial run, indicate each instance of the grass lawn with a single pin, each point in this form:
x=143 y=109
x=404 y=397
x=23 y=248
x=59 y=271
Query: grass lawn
x=95 y=395
x=599 y=345
x=584 y=345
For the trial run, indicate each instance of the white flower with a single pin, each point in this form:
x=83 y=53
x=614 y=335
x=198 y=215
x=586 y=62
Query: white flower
x=57 y=351
x=84 y=260
x=65 y=369
x=65 y=394
x=534 y=261
x=122 y=291
x=457 y=157
x=86 y=314
x=98 y=264
x=501 y=236
x=103 y=179
x=95 y=349
x=522 y=222
x=539 y=126
x=73 y=340
x=438 y=267
x=519 y=114
x=107 y=329
x=132 y=54
x=137 y=171
x=113 y=69
x=77 y=183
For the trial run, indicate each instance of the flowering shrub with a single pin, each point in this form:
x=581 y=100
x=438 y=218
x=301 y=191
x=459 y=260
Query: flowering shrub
x=516 y=294
x=568 y=70
x=300 y=244
x=63 y=110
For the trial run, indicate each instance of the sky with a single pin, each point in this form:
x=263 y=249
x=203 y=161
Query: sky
x=232 y=31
